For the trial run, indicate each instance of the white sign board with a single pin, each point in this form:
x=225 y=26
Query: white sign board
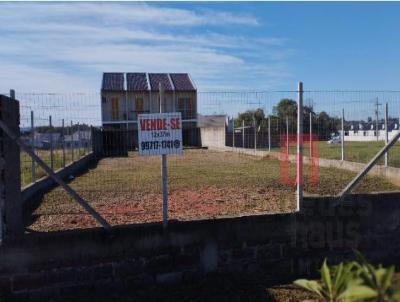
x=160 y=133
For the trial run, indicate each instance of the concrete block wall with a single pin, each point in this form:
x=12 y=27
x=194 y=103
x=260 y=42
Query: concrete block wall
x=10 y=180
x=283 y=246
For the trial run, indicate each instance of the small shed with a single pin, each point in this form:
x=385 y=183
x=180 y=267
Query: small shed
x=212 y=130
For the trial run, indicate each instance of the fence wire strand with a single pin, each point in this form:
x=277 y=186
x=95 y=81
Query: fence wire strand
x=205 y=182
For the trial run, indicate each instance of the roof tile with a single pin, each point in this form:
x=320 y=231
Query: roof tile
x=156 y=78
x=113 y=81
x=182 y=82
x=136 y=81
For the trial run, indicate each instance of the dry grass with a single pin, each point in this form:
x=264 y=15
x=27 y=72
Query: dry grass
x=201 y=184
x=26 y=162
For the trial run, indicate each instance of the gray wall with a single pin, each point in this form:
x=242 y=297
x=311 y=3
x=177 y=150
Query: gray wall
x=283 y=246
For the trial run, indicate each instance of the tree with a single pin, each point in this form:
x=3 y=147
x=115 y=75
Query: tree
x=249 y=116
x=285 y=107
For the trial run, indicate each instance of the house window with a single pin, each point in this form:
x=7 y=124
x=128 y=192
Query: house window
x=185 y=107
x=114 y=109
x=139 y=105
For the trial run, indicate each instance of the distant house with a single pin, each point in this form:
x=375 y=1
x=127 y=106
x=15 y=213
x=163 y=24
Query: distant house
x=79 y=139
x=367 y=131
x=126 y=95
x=44 y=140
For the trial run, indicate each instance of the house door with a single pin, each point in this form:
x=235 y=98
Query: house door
x=114 y=109
x=185 y=107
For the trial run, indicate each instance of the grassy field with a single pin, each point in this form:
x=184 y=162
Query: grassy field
x=201 y=184
x=361 y=152
x=26 y=162
x=354 y=151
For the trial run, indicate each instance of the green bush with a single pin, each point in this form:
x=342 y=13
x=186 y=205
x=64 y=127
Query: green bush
x=354 y=281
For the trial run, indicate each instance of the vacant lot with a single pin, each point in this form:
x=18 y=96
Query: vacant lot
x=201 y=184
x=360 y=152
x=26 y=162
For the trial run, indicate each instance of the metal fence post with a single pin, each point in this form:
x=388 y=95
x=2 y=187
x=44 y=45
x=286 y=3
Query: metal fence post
x=72 y=142
x=255 y=135
x=311 y=141
x=63 y=144
x=299 y=166
x=79 y=141
x=233 y=133
x=33 y=168
x=386 y=133
x=269 y=133
x=51 y=144
x=342 y=136
x=287 y=135
x=243 y=134
x=163 y=168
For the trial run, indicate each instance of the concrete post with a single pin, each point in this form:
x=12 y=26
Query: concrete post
x=33 y=166
x=299 y=166
x=386 y=133
x=51 y=145
x=11 y=224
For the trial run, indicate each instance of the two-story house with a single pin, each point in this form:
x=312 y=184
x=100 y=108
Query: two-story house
x=125 y=95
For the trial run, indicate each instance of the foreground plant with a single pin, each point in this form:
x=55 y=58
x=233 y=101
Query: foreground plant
x=339 y=283
x=380 y=279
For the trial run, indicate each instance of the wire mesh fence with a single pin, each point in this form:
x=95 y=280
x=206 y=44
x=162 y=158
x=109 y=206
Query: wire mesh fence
x=254 y=174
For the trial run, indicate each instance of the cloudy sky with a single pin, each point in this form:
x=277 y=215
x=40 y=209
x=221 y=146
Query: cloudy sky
x=62 y=47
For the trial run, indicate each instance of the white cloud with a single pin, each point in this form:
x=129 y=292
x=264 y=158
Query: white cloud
x=64 y=47
x=121 y=13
